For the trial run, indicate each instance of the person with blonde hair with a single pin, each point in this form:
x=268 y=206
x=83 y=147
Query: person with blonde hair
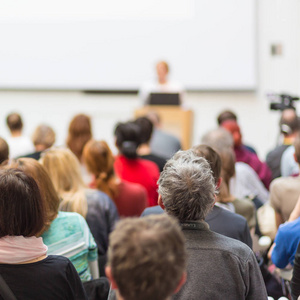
x=99 y=210
x=65 y=233
x=64 y=170
x=130 y=198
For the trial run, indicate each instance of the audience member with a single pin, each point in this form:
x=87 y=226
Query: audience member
x=130 y=198
x=288 y=165
x=244 y=207
x=144 y=150
x=98 y=209
x=147 y=258
x=284 y=191
x=245 y=183
x=162 y=84
x=68 y=233
x=4 y=151
x=18 y=144
x=43 y=138
x=244 y=155
x=289 y=126
x=80 y=132
x=218 y=266
x=25 y=266
x=226 y=115
x=129 y=166
x=220 y=220
x=162 y=143
x=285 y=245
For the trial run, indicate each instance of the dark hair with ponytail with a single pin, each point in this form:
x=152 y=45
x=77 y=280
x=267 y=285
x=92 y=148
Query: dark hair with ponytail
x=128 y=138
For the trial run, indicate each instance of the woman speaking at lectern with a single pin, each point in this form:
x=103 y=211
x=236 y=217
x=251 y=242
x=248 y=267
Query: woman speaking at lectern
x=161 y=84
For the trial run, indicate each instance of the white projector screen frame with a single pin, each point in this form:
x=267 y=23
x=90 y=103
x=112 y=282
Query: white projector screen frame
x=94 y=45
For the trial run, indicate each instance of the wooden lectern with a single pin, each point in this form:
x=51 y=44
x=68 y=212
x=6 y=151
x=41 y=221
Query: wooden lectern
x=174 y=119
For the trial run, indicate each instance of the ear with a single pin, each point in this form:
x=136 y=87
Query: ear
x=218 y=184
x=160 y=202
x=295 y=158
x=110 y=277
x=181 y=282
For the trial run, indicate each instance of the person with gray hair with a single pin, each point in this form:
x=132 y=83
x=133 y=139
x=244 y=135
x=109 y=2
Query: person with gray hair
x=218 y=266
x=199 y=199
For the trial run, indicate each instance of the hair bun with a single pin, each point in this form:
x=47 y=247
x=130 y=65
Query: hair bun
x=128 y=149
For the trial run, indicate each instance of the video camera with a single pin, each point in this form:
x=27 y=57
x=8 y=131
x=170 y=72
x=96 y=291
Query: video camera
x=282 y=101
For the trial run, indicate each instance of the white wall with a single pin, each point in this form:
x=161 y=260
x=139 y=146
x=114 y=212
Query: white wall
x=278 y=21
x=115 y=44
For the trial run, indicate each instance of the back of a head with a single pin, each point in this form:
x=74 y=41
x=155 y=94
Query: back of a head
x=14 y=122
x=99 y=160
x=22 y=209
x=187 y=186
x=234 y=129
x=43 y=136
x=218 y=139
x=289 y=122
x=146 y=128
x=226 y=115
x=212 y=157
x=80 y=132
x=4 y=150
x=64 y=169
x=33 y=168
x=147 y=257
x=128 y=139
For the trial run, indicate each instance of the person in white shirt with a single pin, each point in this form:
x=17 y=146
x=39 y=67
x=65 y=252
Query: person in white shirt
x=18 y=144
x=160 y=85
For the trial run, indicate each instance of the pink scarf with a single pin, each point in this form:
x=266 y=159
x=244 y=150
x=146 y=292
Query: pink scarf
x=19 y=249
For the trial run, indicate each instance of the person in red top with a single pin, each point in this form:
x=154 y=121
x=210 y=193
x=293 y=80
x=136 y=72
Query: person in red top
x=244 y=155
x=130 y=198
x=128 y=166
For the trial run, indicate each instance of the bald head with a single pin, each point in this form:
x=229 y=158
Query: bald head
x=289 y=122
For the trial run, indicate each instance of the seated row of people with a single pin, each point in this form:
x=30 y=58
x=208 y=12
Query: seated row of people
x=128 y=183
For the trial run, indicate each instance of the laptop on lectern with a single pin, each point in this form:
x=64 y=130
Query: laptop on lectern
x=164 y=99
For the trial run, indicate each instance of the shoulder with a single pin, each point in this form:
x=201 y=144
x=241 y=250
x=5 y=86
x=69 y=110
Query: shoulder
x=69 y=215
x=228 y=215
x=131 y=187
x=96 y=197
x=148 y=164
x=288 y=152
x=233 y=247
x=285 y=182
x=154 y=210
x=218 y=243
x=56 y=261
x=289 y=228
